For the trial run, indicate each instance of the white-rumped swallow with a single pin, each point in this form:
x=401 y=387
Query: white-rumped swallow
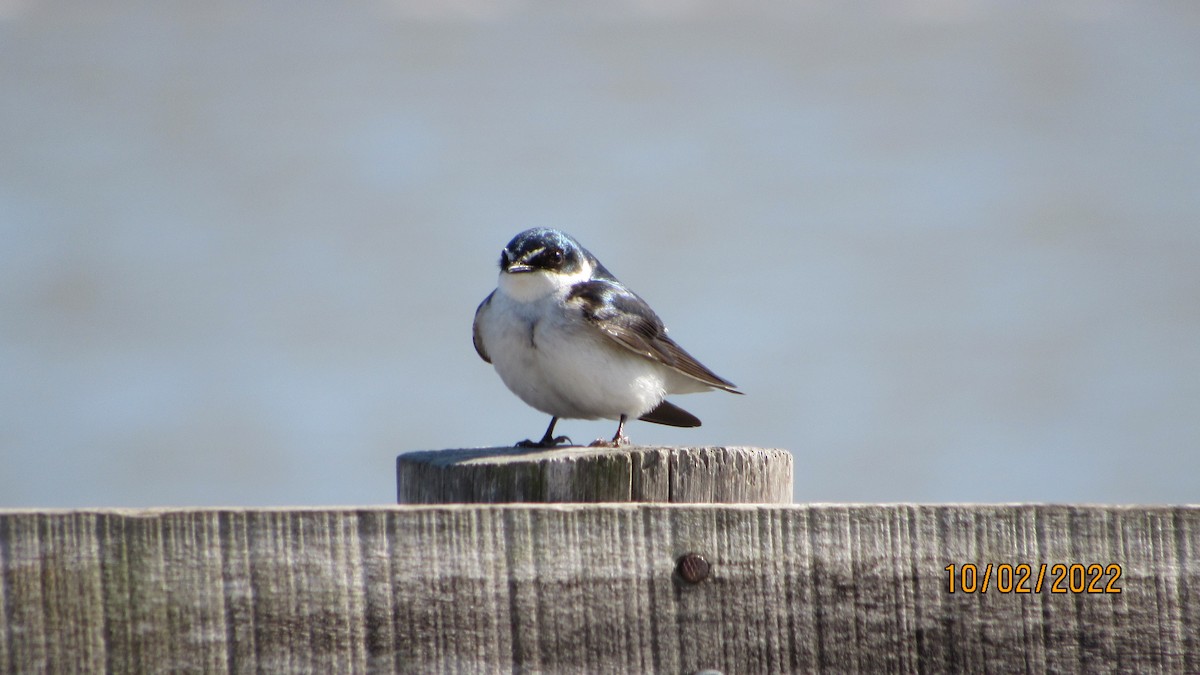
x=573 y=342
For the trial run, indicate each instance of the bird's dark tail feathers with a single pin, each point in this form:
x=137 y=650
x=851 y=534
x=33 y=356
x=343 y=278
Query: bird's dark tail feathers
x=671 y=415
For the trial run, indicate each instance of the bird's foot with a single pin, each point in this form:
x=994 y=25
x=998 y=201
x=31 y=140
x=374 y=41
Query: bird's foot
x=614 y=442
x=544 y=443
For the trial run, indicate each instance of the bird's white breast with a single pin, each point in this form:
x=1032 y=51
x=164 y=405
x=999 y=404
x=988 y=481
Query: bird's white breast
x=549 y=356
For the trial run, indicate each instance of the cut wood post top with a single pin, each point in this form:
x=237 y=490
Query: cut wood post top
x=701 y=474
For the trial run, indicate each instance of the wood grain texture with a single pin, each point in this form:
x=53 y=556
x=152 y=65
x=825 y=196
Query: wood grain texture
x=630 y=474
x=591 y=588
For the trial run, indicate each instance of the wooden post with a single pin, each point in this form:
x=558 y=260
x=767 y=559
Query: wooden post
x=717 y=474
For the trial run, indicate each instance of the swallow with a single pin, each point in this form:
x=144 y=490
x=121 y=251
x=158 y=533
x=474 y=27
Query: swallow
x=572 y=341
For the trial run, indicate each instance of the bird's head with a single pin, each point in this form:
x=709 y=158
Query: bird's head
x=540 y=261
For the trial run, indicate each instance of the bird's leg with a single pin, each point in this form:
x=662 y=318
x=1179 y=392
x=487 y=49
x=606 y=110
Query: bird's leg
x=618 y=439
x=549 y=440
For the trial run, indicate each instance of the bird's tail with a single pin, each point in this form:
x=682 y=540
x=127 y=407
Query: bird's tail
x=671 y=415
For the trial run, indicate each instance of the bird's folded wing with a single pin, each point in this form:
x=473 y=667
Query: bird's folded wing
x=629 y=321
x=475 y=336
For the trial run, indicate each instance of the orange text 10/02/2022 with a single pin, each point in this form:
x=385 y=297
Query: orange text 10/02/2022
x=1024 y=578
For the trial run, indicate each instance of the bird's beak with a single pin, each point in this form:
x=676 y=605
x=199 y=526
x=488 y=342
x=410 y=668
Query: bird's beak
x=514 y=265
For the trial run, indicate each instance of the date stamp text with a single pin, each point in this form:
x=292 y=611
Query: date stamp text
x=1023 y=578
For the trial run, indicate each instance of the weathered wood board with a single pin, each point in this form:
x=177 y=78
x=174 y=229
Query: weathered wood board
x=593 y=588
x=689 y=475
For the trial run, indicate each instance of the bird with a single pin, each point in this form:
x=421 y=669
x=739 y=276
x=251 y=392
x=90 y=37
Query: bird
x=572 y=341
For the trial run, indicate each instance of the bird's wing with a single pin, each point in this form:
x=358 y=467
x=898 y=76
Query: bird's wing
x=475 y=336
x=628 y=320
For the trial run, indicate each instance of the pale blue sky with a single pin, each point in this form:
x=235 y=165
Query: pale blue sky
x=949 y=250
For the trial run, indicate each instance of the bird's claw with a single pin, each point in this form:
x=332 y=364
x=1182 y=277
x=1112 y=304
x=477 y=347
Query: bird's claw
x=615 y=442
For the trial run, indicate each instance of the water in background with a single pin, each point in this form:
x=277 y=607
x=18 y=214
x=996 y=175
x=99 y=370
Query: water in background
x=949 y=250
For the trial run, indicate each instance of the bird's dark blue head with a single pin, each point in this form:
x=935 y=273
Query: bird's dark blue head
x=545 y=250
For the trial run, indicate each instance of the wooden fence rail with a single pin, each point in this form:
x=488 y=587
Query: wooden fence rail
x=601 y=588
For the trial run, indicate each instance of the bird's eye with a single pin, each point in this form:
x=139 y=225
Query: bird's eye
x=555 y=257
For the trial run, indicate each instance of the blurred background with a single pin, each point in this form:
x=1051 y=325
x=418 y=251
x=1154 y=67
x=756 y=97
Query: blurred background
x=950 y=250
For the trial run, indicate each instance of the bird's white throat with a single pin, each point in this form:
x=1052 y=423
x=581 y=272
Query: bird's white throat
x=532 y=286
